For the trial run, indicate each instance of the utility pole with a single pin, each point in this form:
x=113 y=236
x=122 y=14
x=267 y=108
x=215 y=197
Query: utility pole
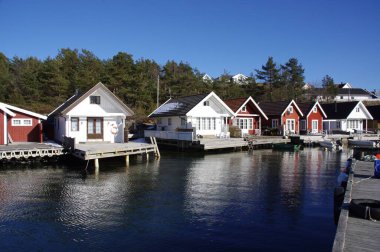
x=158 y=90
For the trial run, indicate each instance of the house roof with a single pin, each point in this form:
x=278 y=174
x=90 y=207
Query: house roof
x=374 y=111
x=353 y=91
x=277 y=108
x=306 y=108
x=236 y=104
x=79 y=97
x=339 y=110
x=9 y=110
x=178 y=106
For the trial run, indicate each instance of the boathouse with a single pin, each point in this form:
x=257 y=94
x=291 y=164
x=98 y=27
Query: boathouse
x=283 y=117
x=19 y=125
x=374 y=125
x=312 y=120
x=345 y=117
x=247 y=115
x=94 y=116
x=189 y=117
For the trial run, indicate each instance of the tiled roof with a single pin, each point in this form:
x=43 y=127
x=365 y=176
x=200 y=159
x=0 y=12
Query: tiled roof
x=375 y=111
x=339 y=110
x=235 y=104
x=306 y=107
x=178 y=106
x=274 y=108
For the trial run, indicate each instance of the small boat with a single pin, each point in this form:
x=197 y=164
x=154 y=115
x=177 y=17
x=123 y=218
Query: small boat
x=362 y=143
x=330 y=144
x=286 y=146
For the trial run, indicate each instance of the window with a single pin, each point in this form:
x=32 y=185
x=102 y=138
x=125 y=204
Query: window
x=290 y=109
x=274 y=123
x=183 y=121
x=206 y=123
x=244 y=123
x=206 y=103
x=74 y=124
x=357 y=109
x=244 y=109
x=21 y=122
x=315 y=109
x=352 y=98
x=169 y=121
x=341 y=97
x=94 y=99
x=303 y=124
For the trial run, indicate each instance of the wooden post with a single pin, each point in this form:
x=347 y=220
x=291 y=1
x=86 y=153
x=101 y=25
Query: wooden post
x=96 y=163
x=127 y=160
x=147 y=155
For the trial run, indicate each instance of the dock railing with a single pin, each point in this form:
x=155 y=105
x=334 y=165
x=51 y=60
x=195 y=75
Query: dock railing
x=173 y=135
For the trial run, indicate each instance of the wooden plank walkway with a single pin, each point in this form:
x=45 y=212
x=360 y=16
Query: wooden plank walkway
x=355 y=234
x=225 y=143
x=29 y=150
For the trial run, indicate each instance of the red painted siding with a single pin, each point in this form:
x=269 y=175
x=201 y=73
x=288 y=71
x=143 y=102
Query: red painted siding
x=32 y=133
x=2 y=127
x=315 y=116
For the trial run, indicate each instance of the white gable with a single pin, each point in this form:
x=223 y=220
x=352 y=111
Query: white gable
x=215 y=108
x=108 y=106
x=360 y=112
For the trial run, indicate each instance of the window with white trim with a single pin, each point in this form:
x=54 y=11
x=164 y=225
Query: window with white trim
x=315 y=109
x=206 y=103
x=274 y=123
x=94 y=99
x=244 y=123
x=357 y=109
x=21 y=122
x=74 y=124
x=244 y=109
x=290 y=109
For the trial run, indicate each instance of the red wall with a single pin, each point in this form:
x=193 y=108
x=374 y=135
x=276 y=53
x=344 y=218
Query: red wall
x=315 y=116
x=1 y=127
x=295 y=115
x=31 y=133
x=250 y=109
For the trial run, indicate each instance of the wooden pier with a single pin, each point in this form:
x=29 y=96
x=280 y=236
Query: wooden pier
x=356 y=234
x=95 y=151
x=213 y=144
x=27 y=151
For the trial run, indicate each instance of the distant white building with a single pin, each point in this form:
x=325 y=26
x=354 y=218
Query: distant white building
x=344 y=85
x=207 y=78
x=239 y=79
x=306 y=86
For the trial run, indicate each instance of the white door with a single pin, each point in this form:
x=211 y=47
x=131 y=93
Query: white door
x=314 y=126
x=290 y=126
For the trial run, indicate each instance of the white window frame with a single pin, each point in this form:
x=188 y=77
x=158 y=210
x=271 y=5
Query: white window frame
x=71 y=122
x=274 y=123
x=206 y=103
x=357 y=109
x=315 y=109
x=290 y=109
x=23 y=122
x=314 y=130
x=244 y=109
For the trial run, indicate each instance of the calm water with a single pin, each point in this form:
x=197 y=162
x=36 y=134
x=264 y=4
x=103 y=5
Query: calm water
x=262 y=200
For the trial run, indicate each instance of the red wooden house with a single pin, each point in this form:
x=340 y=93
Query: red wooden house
x=312 y=121
x=19 y=125
x=247 y=115
x=283 y=117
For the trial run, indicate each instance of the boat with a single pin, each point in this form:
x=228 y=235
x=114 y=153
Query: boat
x=362 y=143
x=330 y=144
x=286 y=146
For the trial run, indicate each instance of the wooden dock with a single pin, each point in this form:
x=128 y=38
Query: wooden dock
x=19 y=151
x=356 y=234
x=95 y=151
x=225 y=143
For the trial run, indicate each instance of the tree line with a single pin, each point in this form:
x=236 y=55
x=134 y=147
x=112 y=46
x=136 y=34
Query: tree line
x=42 y=85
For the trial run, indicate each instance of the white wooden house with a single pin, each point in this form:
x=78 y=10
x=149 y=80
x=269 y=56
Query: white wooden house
x=345 y=116
x=96 y=115
x=239 y=78
x=195 y=115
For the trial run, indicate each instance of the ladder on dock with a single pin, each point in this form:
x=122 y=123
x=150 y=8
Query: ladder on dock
x=153 y=140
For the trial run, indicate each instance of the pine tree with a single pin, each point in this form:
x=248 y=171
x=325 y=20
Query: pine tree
x=270 y=75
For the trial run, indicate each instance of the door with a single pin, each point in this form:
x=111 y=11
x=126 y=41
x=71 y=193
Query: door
x=314 y=126
x=94 y=128
x=290 y=125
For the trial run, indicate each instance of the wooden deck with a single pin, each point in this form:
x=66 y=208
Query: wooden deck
x=355 y=234
x=225 y=143
x=17 y=151
x=89 y=151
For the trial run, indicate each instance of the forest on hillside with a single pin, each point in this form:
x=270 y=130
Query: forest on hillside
x=42 y=85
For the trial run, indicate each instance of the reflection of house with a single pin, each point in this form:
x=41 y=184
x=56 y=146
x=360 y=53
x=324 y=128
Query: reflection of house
x=312 y=120
x=248 y=115
x=19 y=125
x=207 y=78
x=239 y=79
x=206 y=113
x=374 y=125
x=283 y=116
x=345 y=116
x=97 y=115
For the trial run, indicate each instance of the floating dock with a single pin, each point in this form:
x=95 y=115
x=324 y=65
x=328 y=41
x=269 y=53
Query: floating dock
x=356 y=234
x=27 y=151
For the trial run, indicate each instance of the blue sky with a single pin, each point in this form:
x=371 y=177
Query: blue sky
x=338 y=38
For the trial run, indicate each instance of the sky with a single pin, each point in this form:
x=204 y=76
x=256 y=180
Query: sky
x=339 y=38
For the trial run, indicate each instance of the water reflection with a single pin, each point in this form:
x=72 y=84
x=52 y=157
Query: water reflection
x=263 y=200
